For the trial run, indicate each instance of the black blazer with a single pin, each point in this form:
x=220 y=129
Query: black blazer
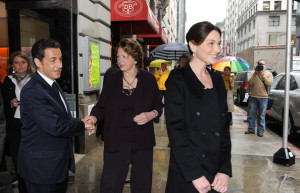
x=8 y=93
x=196 y=148
x=46 y=150
x=147 y=98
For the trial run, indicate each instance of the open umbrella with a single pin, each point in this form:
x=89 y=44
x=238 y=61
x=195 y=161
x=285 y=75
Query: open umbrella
x=235 y=63
x=157 y=63
x=170 y=51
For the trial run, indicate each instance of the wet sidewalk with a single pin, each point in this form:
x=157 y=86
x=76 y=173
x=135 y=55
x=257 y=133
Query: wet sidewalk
x=252 y=163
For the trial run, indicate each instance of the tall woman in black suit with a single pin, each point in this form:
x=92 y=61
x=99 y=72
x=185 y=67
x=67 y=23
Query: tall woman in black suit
x=129 y=101
x=19 y=72
x=196 y=116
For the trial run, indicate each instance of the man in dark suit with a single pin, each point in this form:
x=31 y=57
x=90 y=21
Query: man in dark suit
x=46 y=150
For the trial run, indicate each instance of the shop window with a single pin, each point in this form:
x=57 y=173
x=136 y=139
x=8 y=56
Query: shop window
x=266 y=5
x=4 y=47
x=294 y=20
x=273 y=39
x=31 y=30
x=274 y=20
x=277 y=5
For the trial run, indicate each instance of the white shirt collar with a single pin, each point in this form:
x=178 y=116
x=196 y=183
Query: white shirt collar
x=48 y=80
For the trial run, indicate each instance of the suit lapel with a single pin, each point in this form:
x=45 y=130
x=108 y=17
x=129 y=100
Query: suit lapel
x=52 y=93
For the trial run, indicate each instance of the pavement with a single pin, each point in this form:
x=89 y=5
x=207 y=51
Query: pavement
x=252 y=163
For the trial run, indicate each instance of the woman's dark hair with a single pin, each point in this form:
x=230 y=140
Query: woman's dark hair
x=9 y=69
x=199 y=31
x=132 y=48
x=38 y=49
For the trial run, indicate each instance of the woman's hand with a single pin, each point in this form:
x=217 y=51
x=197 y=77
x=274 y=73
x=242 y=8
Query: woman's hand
x=220 y=183
x=14 y=103
x=202 y=185
x=144 y=117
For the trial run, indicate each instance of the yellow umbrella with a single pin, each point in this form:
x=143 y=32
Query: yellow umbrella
x=157 y=63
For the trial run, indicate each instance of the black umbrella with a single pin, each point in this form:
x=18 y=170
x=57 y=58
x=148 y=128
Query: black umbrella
x=170 y=51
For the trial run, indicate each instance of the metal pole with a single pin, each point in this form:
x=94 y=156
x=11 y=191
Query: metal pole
x=284 y=156
x=72 y=60
x=287 y=74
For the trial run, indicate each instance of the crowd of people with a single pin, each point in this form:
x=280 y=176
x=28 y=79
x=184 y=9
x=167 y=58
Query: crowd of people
x=38 y=127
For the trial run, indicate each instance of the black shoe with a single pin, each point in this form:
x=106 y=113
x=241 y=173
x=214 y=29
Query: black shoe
x=249 y=132
x=246 y=120
x=127 y=180
x=259 y=134
x=230 y=123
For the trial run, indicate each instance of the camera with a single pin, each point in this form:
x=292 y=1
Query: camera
x=259 y=67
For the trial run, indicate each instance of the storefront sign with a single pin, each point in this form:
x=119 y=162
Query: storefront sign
x=91 y=64
x=296 y=62
x=4 y=55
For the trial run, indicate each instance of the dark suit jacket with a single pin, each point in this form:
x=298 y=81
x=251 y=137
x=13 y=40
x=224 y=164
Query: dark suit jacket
x=147 y=98
x=197 y=149
x=46 y=151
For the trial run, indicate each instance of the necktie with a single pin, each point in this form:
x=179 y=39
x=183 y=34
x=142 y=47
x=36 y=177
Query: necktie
x=55 y=86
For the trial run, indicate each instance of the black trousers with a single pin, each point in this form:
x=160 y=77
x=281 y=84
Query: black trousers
x=177 y=184
x=116 y=165
x=47 y=188
x=13 y=142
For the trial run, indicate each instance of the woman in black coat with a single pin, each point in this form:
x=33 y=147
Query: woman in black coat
x=19 y=71
x=196 y=116
x=129 y=102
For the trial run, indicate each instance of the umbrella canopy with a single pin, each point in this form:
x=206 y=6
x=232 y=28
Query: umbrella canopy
x=235 y=63
x=157 y=63
x=170 y=51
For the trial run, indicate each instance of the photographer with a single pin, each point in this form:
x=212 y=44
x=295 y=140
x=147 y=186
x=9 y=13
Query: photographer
x=259 y=82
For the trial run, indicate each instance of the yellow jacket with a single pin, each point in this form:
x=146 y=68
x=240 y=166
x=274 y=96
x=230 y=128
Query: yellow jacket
x=161 y=79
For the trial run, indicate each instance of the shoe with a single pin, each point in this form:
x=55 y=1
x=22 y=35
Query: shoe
x=259 y=134
x=249 y=132
x=246 y=120
x=230 y=123
x=127 y=180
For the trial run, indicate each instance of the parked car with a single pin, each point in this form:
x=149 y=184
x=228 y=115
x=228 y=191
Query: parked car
x=277 y=110
x=241 y=87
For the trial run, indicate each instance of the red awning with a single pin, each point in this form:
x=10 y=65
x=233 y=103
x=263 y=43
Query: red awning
x=135 y=17
x=155 y=39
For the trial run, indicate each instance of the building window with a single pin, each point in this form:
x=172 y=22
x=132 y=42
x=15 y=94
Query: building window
x=273 y=39
x=266 y=5
x=294 y=20
x=242 y=33
x=249 y=28
x=274 y=20
x=277 y=5
x=254 y=24
x=245 y=30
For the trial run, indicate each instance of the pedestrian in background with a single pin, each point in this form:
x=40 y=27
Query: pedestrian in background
x=129 y=102
x=259 y=81
x=228 y=82
x=46 y=148
x=161 y=76
x=19 y=72
x=196 y=118
x=182 y=61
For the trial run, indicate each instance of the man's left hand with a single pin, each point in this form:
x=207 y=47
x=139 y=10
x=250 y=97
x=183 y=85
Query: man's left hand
x=220 y=183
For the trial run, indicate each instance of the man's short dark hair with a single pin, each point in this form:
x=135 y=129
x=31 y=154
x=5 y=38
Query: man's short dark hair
x=38 y=49
x=183 y=56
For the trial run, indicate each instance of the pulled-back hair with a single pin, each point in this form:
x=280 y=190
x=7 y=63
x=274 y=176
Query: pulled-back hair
x=30 y=70
x=199 y=31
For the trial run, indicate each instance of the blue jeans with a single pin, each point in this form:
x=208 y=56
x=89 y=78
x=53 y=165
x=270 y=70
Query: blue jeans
x=257 y=110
